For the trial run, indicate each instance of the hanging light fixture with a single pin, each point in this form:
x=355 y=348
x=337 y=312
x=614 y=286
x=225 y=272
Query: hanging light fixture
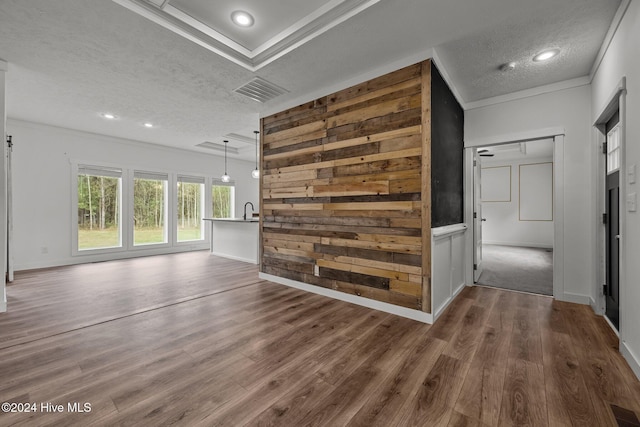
x=256 y=172
x=225 y=177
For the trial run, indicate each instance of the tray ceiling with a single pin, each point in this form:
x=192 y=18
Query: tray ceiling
x=280 y=27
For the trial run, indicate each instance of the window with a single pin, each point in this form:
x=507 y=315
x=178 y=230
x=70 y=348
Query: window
x=613 y=150
x=190 y=208
x=149 y=208
x=223 y=199
x=99 y=207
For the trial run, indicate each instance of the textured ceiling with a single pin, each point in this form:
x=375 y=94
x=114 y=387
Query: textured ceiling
x=70 y=60
x=476 y=58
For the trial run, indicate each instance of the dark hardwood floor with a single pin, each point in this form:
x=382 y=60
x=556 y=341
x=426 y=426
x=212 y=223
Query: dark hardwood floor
x=191 y=339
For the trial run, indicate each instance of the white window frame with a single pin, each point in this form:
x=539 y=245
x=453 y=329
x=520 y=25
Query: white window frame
x=127 y=208
x=168 y=234
x=191 y=179
x=76 y=168
x=614 y=152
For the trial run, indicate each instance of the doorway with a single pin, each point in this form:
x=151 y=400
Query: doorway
x=612 y=220
x=513 y=201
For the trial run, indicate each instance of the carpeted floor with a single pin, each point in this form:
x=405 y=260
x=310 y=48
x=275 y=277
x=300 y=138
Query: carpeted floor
x=517 y=268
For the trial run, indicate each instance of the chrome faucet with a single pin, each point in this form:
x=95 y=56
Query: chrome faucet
x=245 y=210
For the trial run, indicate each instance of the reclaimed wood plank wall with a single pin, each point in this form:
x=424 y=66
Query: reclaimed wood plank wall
x=346 y=190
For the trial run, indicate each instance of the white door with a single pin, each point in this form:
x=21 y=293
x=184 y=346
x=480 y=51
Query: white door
x=477 y=217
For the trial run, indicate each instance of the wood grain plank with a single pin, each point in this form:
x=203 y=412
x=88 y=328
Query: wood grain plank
x=201 y=340
x=523 y=399
x=426 y=184
x=292 y=133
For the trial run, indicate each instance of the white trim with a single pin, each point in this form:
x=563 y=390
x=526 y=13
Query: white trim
x=510 y=138
x=612 y=106
x=438 y=234
x=557 y=133
x=468 y=190
x=517 y=244
x=236 y=258
x=594 y=306
x=447 y=302
x=631 y=358
x=613 y=29
x=4 y=198
x=306 y=29
x=448 y=230
x=613 y=328
x=417 y=315
x=616 y=102
x=558 y=218
x=574 y=298
x=528 y=93
x=90 y=258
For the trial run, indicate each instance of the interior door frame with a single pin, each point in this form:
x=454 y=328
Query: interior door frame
x=477 y=216
x=616 y=103
x=555 y=133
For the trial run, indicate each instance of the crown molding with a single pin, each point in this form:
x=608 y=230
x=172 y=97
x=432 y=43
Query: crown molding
x=613 y=29
x=311 y=26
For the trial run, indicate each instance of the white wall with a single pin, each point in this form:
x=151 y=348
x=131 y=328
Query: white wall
x=503 y=225
x=569 y=109
x=622 y=59
x=42 y=208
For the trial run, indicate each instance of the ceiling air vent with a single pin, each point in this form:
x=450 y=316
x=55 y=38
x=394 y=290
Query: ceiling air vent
x=260 y=90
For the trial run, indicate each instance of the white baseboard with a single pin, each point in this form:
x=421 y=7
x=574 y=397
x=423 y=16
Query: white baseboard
x=420 y=316
x=594 y=306
x=575 y=298
x=519 y=244
x=631 y=358
x=113 y=256
x=235 y=258
x=445 y=304
x=3 y=306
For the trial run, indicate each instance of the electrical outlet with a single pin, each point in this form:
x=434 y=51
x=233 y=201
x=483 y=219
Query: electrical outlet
x=631 y=174
x=316 y=270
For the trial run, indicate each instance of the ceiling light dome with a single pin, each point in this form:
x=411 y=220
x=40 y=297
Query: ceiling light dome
x=546 y=55
x=242 y=18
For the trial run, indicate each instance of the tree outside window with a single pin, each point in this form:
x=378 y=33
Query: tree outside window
x=99 y=208
x=190 y=209
x=222 y=199
x=149 y=208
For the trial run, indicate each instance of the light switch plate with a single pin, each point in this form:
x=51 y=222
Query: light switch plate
x=631 y=174
x=631 y=202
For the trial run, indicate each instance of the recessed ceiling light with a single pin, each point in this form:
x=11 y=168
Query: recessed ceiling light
x=108 y=116
x=242 y=18
x=546 y=54
x=148 y=125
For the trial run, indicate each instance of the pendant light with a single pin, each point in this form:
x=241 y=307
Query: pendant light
x=256 y=172
x=225 y=177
